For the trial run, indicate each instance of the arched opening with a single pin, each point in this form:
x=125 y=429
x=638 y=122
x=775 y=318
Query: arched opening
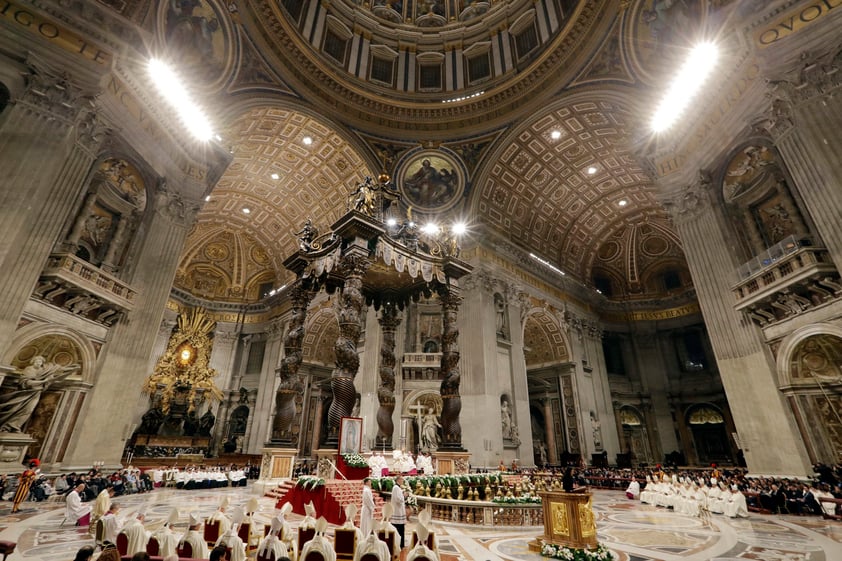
x=710 y=437
x=812 y=381
x=635 y=437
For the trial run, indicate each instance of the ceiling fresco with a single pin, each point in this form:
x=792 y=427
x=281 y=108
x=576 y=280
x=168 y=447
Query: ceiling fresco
x=558 y=176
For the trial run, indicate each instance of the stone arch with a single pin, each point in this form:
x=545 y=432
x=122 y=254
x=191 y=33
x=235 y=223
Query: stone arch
x=787 y=364
x=709 y=431
x=320 y=335
x=30 y=335
x=543 y=340
x=810 y=378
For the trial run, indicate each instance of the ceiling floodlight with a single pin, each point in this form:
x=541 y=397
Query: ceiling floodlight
x=207 y=198
x=246 y=211
x=622 y=202
x=391 y=222
x=547 y=264
x=275 y=176
x=459 y=228
x=307 y=140
x=430 y=228
x=555 y=135
x=591 y=170
x=685 y=85
x=174 y=92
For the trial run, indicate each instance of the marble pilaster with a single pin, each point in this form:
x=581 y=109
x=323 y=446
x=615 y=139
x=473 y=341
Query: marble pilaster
x=656 y=383
x=260 y=426
x=760 y=412
x=123 y=364
x=47 y=146
x=517 y=306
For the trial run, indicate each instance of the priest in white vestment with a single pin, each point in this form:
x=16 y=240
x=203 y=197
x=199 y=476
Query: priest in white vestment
x=219 y=515
x=195 y=538
x=111 y=524
x=736 y=505
x=166 y=537
x=101 y=505
x=320 y=543
x=136 y=533
x=633 y=490
x=287 y=534
x=231 y=539
x=309 y=517
x=273 y=542
x=367 y=512
x=74 y=510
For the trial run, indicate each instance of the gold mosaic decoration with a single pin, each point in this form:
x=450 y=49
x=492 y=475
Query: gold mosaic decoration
x=184 y=367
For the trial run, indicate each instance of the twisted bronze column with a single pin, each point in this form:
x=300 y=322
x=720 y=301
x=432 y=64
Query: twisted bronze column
x=285 y=412
x=451 y=400
x=389 y=322
x=351 y=307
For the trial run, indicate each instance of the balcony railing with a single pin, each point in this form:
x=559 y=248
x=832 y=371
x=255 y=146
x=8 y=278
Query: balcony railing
x=791 y=277
x=83 y=289
x=71 y=269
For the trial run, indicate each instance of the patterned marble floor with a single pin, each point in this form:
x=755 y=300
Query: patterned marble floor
x=634 y=532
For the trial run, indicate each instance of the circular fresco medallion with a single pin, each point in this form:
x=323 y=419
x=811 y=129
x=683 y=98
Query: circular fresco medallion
x=431 y=180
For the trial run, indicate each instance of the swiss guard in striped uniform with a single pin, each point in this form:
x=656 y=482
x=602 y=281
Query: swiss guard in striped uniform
x=24 y=483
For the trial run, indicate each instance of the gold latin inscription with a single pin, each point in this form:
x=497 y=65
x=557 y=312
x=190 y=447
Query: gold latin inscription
x=794 y=22
x=65 y=39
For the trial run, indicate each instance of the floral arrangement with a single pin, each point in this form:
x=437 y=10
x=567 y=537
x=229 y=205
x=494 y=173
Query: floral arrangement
x=521 y=500
x=309 y=482
x=410 y=500
x=354 y=461
x=575 y=554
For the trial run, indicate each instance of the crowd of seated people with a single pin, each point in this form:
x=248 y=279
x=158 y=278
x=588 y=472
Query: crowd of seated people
x=714 y=487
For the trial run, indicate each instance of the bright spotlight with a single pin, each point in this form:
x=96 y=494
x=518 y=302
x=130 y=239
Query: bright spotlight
x=430 y=228
x=460 y=228
x=246 y=211
x=591 y=170
x=555 y=135
x=391 y=222
x=307 y=140
x=622 y=202
x=174 y=93
x=685 y=85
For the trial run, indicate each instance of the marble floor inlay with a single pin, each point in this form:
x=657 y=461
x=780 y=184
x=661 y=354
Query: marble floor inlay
x=633 y=531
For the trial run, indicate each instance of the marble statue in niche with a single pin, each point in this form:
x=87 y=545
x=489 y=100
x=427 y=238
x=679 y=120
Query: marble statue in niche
x=596 y=431
x=501 y=323
x=20 y=393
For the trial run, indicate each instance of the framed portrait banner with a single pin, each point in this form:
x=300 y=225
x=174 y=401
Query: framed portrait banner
x=350 y=435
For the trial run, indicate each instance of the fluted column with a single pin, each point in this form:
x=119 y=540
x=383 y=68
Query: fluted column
x=549 y=430
x=117 y=244
x=389 y=322
x=290 y=382
x=351 y=315
x=72 y=242
x=48 y=140
x=122 y=369
x=318 y=414
x=451 y=400
x=746 y=369
x=803 y=119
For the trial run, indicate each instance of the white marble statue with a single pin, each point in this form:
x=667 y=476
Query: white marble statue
x=20 y=394
x=430 y=431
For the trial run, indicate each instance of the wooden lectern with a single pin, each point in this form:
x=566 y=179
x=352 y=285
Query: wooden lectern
x=568 y=519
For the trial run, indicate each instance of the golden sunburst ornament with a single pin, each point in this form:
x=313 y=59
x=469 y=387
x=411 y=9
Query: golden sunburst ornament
x=184 y=367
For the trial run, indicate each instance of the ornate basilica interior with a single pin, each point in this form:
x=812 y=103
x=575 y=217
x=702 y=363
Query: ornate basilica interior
x=407 y=210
